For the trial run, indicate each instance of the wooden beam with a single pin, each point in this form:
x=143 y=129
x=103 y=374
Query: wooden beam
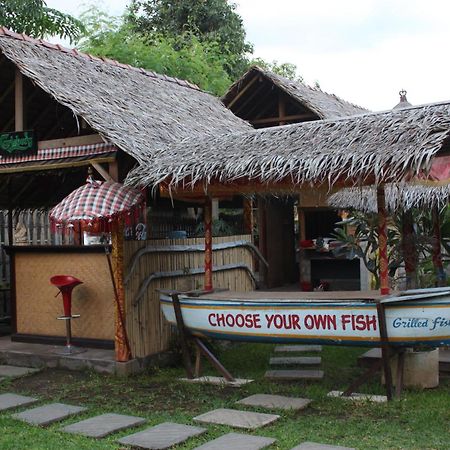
x=249 y=99
x=102 y=172
x=281 y=109
x=113 y=170
x=282 y=119
x=243 y=91
x=71 y=141
x=18 y=102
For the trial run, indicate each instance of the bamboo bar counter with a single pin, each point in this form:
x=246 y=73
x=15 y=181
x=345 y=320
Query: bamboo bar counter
x=35 y=308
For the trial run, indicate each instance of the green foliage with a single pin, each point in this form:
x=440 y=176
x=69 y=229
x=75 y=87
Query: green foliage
x=287 y=70
x=183 y=56
x=208 y=20
x=35 y=19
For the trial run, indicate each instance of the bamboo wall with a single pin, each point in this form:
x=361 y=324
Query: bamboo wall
x=147 y=330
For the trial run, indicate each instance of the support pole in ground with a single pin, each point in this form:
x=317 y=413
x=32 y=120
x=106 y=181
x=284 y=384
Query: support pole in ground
x=207 y=216
x=385 y=350
x=382 y=241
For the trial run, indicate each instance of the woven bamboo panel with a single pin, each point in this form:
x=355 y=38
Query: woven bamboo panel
x=37 y=307
x=147 y=330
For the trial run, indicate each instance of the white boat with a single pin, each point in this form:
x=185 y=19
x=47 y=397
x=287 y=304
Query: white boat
x=416 y=317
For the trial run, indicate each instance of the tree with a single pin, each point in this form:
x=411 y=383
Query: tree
x=35 y=19
x=286 y=70
x=194 y=60
x=208 y=20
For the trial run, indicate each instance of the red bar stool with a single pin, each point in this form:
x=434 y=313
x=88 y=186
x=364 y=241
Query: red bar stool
x=65 y=284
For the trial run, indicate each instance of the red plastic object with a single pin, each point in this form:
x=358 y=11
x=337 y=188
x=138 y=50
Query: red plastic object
x=65 y=283
x=306 y=286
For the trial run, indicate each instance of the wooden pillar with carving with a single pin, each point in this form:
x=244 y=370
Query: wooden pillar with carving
x=382 y=241
x=207 y=217
x=437 y=255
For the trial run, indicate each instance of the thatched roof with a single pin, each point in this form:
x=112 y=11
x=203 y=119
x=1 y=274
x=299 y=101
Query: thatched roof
x=326 y=106
x=401 y=196
x=370 y=148
x=132 y=108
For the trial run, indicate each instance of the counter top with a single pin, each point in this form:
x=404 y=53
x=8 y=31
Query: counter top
x=55 y=248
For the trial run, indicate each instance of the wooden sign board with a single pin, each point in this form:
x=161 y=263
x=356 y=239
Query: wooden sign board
x=18 y=143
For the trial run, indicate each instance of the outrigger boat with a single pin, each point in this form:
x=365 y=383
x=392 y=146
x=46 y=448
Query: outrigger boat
x=415 y=317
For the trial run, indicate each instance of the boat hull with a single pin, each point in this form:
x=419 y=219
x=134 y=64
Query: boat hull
x=419 y=319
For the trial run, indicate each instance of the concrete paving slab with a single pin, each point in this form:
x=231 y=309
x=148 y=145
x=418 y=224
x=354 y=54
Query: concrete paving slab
x=15 y=371
x=237 y=441
x=316 y=446
x=275 y=401
x=357 y=396
x=235 y=418
x=161 y=436
x=295 y=360
x=288 y=375
x=217 y=381
x=100 y=426
x=47 y=414
x=297 y=348
x=9 y=401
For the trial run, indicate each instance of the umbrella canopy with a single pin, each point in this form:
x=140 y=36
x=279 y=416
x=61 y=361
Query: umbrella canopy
x=97 y=203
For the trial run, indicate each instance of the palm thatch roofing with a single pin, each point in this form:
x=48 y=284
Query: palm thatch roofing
x=364 y=149
x=133 y=108
x=403 y=196
x=324 y=105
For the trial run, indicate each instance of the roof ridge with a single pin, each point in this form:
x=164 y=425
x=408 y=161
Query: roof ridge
x=74 y=52
x=313 y=88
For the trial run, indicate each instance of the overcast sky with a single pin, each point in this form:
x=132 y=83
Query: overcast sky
x=364 y=51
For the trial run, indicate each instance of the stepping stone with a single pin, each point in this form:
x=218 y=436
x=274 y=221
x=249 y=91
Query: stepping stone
x=288 y=375
x=218 y=381
x=14 y=371
x=235 y=418
x=47 y=414
x=275 y=401
x=297 y=348
x=161 y=436
x=9 y=401
x=237 y=441
x=291 y=360
x=101 y=426
x=316 y=446
x=356 y=396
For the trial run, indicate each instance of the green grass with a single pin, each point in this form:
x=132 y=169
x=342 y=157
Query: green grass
x=420 y=420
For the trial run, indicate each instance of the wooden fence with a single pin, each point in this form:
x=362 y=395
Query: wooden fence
x=147 y=330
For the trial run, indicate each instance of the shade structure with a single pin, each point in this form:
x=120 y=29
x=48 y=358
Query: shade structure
x=105 y=204
x=97 y=203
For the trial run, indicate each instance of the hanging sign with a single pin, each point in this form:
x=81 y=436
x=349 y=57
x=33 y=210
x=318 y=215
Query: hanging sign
x=18 y=143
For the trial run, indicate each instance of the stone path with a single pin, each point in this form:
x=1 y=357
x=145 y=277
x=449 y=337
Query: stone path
x=103 y=425
x=275 y=402
x=236 y=418
x=14 y=371
x=357 y=396
x=162 y=436
x=237 y=441
x=9 y=401
x=299 y=372
x=47 y=414
x=217 y=381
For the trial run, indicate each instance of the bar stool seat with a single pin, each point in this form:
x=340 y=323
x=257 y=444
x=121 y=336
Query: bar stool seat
x=65 y=284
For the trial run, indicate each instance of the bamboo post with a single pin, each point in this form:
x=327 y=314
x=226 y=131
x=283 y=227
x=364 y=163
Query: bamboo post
x=208 y=244
x=18 y=102
x=121 y=344
x=437 y=255
x=382 y=241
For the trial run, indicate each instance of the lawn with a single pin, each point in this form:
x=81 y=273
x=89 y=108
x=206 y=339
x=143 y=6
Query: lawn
x=420 y=420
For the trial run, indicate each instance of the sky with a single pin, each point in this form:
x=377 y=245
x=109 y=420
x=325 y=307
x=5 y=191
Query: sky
x=364 y=51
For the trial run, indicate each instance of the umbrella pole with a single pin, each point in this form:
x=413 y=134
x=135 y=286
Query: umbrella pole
x=121 y=337
x=382 y=241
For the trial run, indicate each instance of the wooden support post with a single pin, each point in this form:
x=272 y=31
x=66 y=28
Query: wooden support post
x=399 y=377
x=281 y=109
x=212 y=359
x=248 y=216
x=113 y=170
x=208 y=245
x=437 y=255
x=409 y=250
x=18 y=102
x=385 y=349
x=382 y=241
x=182 y=336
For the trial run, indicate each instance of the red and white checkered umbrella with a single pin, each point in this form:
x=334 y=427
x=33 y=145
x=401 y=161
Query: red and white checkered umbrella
x=97 y=202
